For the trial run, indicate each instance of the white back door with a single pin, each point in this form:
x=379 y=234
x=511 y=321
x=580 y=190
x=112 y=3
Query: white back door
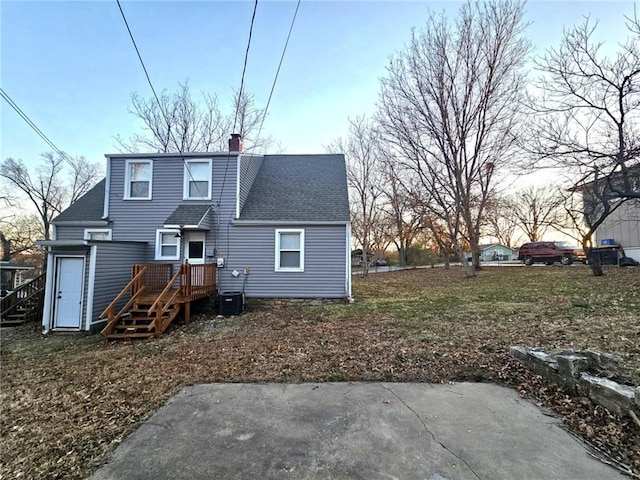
x=68 y=292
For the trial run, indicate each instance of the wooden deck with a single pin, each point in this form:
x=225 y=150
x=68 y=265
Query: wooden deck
x=156 y=295
x=24 y=304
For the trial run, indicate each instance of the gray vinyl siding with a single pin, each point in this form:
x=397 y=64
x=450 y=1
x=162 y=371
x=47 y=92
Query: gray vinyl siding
x=113 y=272
x=137 y=220
x=325 y=265
x=249 y=167
x=70 y=233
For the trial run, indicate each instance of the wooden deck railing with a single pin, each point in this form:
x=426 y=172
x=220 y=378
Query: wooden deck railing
x=166 y=289
x=198 y=280
x=156 y=276
x=29 y=296
x=136 y=290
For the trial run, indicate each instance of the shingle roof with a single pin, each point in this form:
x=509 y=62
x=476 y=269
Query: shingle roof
x=88 y=208
x=188 y=215
x=299 y=188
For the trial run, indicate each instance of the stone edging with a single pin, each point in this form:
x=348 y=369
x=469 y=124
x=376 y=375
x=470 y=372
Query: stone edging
x=570 y=368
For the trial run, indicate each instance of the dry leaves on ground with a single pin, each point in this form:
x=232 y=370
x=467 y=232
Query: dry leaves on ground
x=67 y=402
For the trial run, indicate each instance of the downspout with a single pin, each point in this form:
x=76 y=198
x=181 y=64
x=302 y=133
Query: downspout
x=48 y=294
x=350 y=298
x=91 y=286
x=107 y=189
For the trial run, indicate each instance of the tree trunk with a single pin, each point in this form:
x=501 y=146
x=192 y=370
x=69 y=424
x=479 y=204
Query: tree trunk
x=594 y=263
x=402 y=256
x=365 y=262
x=445 y=254
x=475 y=256
x=471 y=273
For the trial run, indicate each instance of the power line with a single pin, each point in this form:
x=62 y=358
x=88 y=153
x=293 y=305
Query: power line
x=244 y=68
x=235 y=119
x=273 y=86
x=164 y=115
x=35 y=128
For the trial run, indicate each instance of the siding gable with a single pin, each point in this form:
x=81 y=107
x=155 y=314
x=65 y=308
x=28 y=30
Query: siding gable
x=249 y=166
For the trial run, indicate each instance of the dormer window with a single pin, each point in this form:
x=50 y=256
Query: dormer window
x=138 y=178
x=197 y=180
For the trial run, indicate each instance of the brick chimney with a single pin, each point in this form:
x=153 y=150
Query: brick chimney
x=235 y=143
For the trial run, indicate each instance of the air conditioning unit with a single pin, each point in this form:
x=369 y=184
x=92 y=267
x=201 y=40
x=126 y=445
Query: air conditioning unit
x=231 y=303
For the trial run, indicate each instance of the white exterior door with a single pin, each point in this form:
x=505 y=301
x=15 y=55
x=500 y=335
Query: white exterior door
x=194 y=247
x=68 y=292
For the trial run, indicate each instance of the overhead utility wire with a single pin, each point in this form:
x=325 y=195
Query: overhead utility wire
x=164 y=115
x=35 y=128
x=235 y=119
x=273 y=86
x=244 y=68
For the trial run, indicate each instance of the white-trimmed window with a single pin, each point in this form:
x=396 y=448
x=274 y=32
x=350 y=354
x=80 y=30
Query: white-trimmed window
x=290 y=250
x=197 y=180
x=97 y=234
x=138 y=179
x=167 y=244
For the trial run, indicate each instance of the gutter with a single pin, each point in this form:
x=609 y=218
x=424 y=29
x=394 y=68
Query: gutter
x=242 y=223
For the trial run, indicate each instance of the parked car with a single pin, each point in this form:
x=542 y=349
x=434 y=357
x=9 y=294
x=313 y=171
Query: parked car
x=549 y=253
x=580 y=254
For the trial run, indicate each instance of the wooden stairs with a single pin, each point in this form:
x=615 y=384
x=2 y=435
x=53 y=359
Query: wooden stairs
x=137 y=323
x=24 y=304
x=156 y=298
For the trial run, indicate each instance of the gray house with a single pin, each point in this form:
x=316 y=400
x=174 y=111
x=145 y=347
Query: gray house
x=494 y=252
x=270 y=226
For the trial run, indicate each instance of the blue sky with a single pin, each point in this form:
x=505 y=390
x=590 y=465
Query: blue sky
x=71 y=67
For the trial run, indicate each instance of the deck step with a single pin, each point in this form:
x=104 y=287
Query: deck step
x=132 y=328
x=11 y=323
x=114 y=336
x=137 y=319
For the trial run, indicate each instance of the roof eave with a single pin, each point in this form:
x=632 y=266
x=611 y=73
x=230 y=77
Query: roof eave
x=80 y=223
x=241 y=222
x=172 y=155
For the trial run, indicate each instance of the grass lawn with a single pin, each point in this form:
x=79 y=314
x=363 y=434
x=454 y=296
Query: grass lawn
x=68 y=401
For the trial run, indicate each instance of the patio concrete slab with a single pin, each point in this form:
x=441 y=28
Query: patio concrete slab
x=465 y=431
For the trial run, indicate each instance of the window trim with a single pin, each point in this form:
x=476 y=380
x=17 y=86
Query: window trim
x=158 y=252
x=187 y=178
x=89 y=231
x=300 y=232
x=127 y=180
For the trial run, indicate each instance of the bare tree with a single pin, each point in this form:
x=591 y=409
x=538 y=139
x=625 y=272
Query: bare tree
x=534 y=209
x=18 y=234
x=361 y=148
x=587 y=120
x=56 y=183
x=439 y=239
x=402 y=204
x=499 y=221
x=450 y=105
x=181 y=123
